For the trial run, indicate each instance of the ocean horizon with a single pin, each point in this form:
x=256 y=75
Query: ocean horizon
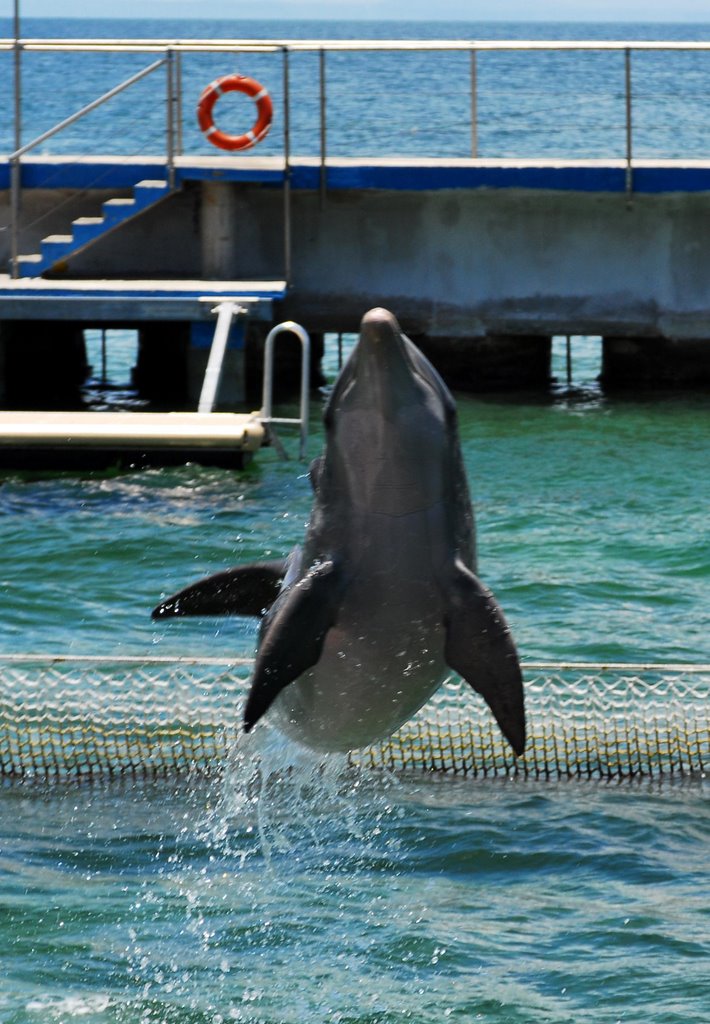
x=547 y=104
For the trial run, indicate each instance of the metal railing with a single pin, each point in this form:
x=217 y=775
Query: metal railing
x=171 y=53
x=171 y=61
x=15 y=157
x=266 y=413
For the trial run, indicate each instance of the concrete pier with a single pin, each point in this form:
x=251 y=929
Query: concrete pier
x=161 y=372
x=482 y=261
x=219 y=230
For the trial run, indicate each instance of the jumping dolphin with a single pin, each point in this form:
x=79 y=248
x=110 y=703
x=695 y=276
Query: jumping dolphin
x=362 y=624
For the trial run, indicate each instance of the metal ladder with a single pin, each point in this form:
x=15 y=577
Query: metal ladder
x=226 y=311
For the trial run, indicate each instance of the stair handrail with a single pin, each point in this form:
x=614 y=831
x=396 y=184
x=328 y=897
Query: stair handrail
x=88 y=108
x=266 y=412
x=16 y=156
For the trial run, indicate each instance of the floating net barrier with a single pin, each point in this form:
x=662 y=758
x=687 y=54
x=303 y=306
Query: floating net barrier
x=72 y=717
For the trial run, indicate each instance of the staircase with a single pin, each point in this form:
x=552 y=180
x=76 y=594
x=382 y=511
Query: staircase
x=87 y=230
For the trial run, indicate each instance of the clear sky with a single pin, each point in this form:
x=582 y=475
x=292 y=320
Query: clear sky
x=440 y=10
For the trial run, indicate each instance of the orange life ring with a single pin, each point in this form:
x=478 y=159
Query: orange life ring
x=235 y=83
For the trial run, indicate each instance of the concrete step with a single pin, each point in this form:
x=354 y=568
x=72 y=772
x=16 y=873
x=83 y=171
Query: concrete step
x=56 y=247
x=116 y=211
x=86 y=230
x=28 y=264
x=150 y=191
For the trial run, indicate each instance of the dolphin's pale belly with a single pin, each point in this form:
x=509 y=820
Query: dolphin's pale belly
x=382 y=660
x=363 y=688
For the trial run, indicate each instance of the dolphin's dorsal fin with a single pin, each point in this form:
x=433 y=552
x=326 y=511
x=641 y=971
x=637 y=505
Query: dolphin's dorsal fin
x=480 y=648
x=293 y=636
x=244 y=590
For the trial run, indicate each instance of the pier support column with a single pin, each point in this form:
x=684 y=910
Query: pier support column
x=3 y=373
x=160 y=373
x=43 y=364
x=640 y=364
x=491 y=363
x=218 y=231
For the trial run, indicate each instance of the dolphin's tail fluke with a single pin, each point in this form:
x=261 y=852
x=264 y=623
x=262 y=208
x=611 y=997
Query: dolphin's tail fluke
x=480 y=648
x=245 y=590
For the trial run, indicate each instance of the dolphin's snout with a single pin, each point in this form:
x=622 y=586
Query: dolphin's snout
x=379 y=325
x=382 y=366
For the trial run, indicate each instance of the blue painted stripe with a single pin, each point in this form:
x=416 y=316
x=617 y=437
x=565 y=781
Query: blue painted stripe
x=248 y=175
x=671 y=179
x=85 y=175
x=102 y=174
x=202 y=335
x=18 y=292
x=417 y=179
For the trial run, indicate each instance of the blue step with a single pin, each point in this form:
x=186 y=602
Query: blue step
x=85 y=230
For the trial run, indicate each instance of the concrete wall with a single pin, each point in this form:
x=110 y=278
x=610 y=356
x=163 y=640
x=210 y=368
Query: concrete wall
x=453 y=262
x=456 y=264
x=476 y=263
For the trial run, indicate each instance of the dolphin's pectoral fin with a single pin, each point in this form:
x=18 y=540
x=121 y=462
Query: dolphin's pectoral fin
x=315 y=472
x=293 y=637
x=243 y=590
x=480 y=648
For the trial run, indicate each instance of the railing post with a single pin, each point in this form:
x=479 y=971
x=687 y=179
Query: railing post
x=629 y=125
x=178 y=103
x=323 y=127
x=474 y=104
x=287 y=170
x=15 y=209
x=170 y=115
x=15 y=169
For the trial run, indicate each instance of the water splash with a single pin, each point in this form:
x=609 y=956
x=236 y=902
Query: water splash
x=298 y=802
x=280 y=865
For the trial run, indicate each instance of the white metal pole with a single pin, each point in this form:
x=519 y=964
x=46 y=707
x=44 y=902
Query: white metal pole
x=215 y=361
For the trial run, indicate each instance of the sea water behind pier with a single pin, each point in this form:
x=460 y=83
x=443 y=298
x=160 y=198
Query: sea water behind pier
x=567 y=104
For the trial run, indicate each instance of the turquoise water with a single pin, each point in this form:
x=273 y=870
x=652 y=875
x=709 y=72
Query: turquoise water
x=378 y=904
x=321 y=896
x=592 y=530
x=359 y=898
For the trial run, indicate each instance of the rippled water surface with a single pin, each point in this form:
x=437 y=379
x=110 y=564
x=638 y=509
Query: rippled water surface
x=359 y=900
x=592 y=530
x=310 y=895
